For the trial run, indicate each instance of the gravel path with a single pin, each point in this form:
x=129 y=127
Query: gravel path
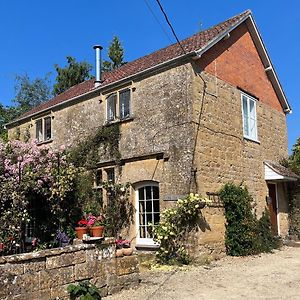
x=266 y=276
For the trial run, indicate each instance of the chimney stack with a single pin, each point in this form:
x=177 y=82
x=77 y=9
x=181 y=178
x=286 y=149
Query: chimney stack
x=98 y=49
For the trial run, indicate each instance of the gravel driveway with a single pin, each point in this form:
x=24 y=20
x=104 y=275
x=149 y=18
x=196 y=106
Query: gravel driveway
x=266 y=276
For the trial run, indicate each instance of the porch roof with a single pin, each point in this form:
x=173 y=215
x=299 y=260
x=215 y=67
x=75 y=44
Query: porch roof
x=275 y=171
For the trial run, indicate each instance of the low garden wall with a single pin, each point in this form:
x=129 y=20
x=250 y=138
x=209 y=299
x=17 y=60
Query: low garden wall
x=46 y=274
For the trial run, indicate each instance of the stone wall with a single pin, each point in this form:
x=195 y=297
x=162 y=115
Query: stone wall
x=47 y=273
x=222 y=154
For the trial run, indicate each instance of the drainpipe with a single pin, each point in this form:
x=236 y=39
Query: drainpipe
x=98 y=49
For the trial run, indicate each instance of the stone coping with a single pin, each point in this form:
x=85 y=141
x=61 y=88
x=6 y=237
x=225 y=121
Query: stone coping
x=17 y=258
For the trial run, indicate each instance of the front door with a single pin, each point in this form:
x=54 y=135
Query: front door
x=272 y=204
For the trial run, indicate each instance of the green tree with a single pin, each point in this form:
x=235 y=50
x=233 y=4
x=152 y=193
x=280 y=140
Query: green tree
x=7 y=114
x=115 y=54
x=28 y=94
x=294 y=159
x=73 y=73
x=31 y=93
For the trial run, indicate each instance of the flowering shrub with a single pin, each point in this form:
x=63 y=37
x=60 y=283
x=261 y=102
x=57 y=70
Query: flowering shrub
x=29 y=172
x=174 y=226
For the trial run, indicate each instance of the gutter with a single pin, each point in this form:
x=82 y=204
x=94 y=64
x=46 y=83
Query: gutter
x=100 y=88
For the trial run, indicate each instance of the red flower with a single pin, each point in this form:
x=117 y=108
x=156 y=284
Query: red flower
x=82 y=223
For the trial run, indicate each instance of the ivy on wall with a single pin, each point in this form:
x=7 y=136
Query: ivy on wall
x=87 y=153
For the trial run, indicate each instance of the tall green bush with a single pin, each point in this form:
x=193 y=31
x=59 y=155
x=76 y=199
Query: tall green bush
x=245 y=234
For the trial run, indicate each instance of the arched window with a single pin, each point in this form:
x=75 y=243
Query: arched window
x=147 y=199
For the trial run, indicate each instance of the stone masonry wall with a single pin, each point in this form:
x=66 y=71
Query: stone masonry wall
x=45 y=275
x=222 y=154
x=160 y=122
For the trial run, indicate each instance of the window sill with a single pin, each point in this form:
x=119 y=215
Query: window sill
x=146 y=247
x=251 y=140
x=129 y=119
x=44 y=142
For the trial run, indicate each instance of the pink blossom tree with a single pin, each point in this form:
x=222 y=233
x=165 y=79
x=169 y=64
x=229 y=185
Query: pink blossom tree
x=28 y=170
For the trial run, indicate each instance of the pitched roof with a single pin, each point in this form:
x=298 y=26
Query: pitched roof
x=191 y=45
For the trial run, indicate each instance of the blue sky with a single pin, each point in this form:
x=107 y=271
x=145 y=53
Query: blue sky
x=37 y=34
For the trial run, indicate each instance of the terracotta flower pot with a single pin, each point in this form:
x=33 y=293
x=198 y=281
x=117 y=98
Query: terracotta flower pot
x=119 y=252
x=127 y=251
x=80 y=231
x=97 y=231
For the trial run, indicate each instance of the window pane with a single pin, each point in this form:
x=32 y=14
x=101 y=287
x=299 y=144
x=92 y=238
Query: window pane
x=156 y=218
x=110 y=175
x=124 y=104
x=142 y=232
x=39 y=130
x=149 y=206
x=155 y=192
x=253 y=129
x=156 y=206
x=252 y=108
x=246 y=116
x=149 y=219
x=98 y=177
x=111 y=107
x=148 y=192
x=142 y=206
x=142 y=219
x=141 y=194
x=47 y=128
x=149 y=232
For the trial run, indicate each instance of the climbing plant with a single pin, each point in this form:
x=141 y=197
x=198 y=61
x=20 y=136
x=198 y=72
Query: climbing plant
x=175 y=224
x=88 y=152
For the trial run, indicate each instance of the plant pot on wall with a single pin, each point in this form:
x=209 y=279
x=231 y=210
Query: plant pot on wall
x=80 y=231
x=119 y=252
x=97 y=231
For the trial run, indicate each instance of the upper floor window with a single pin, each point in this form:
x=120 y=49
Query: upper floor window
x=249 y=117
x=43 y=129
x=111 y=107
x=124 y=104
x=118 y=105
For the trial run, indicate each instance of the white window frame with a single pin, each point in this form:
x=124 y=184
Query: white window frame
x=143 y=241
x=43 y=132
x=250 y=99
x=117 y=116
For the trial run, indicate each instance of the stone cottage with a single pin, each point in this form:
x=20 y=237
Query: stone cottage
x=192 y=117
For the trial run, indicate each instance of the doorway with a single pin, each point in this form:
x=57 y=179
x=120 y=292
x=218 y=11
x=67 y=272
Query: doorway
x=273 y=207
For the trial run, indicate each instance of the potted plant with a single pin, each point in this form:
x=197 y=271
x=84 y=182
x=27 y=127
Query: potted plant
x=127 y=250
x=124 y=246
x=119 y=248
x=96 y=225
x=82 y=228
